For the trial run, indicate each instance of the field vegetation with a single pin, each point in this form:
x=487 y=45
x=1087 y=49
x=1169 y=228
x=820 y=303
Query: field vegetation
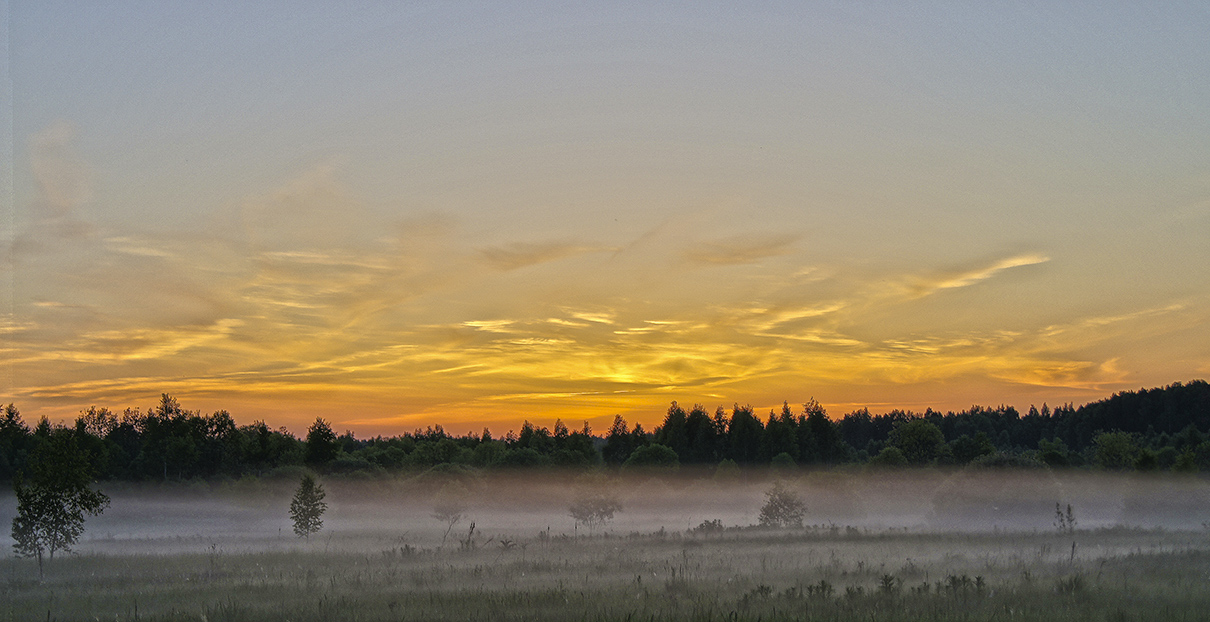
x=969 y=544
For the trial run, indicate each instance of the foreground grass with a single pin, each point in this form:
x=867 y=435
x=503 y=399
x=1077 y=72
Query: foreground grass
x=734 y=575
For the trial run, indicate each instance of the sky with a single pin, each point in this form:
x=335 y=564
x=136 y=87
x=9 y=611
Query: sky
x=396 y=215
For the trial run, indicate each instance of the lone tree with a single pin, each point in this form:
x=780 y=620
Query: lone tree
x=307 y=507
x=594 y=504
x=782 y=507
x=594 y=510
x=53 y=502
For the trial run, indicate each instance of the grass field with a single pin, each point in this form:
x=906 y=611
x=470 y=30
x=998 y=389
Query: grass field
x=370 y=569
x=746 y=574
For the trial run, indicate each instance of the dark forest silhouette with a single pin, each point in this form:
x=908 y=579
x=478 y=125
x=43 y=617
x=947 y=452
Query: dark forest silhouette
x=1164 y=428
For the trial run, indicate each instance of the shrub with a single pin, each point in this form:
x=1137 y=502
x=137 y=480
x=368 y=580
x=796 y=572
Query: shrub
x=998 y=460
x=652 y=456
x=783 y=462
x=523 y=457
x=889 y=457
x=726 y=470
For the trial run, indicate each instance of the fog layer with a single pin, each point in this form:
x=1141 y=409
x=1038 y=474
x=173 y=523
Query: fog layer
x=253 y=514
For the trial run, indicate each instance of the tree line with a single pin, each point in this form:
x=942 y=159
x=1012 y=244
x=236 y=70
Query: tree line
x=1165 y=428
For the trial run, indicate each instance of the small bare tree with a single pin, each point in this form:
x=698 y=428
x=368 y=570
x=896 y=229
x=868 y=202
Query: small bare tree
x=449 y=506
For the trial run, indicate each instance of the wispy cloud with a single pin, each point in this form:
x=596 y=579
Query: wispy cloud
x=495 y=326
x=10 y=325
x=599 y=317
x=741 y=249
x=925 y=286
x=63 y=184
x=110 y=346
x=1097 y=322
x=132 y=246
x=761 y=319
x=517 y=255
x=64 y=180
x=300 y=293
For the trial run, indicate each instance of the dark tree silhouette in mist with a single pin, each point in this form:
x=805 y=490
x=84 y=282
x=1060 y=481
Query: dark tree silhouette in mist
x=782 y=507
x=594 y=503
x=53 y=503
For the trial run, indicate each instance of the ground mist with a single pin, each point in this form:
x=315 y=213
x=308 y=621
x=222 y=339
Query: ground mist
x=894 y=545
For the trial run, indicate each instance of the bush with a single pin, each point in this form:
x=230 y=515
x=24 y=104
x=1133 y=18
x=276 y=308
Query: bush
x=783 y=462
x=889 y=457
x=436 y=477
x=999 y=461
x=288 y=472
x=524 y=457
x=1147 y=460
x=345 y=463
x=727 y=470
x=652 y=456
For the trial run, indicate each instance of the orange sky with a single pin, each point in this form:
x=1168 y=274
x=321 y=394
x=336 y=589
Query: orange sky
x=398 y=218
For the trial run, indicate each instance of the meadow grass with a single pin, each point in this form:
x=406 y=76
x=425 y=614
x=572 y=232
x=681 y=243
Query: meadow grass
x=737 y=574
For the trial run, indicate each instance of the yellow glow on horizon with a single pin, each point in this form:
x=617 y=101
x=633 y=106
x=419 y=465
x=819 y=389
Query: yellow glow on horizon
x=599 y=212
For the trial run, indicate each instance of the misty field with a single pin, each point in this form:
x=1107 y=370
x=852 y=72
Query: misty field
x=926 y=545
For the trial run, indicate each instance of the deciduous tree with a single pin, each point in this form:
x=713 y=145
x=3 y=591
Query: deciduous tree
x=307 y=507
x=55 y=499
x=594 y=503
x=321 y=443
x=919 y=440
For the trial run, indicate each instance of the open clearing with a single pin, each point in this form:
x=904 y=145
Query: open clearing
x=929 y=546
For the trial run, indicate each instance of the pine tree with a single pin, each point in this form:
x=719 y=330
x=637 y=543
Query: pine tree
x=307 y=507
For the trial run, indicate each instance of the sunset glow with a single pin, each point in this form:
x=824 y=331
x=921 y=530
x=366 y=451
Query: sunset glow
x=395 y=217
